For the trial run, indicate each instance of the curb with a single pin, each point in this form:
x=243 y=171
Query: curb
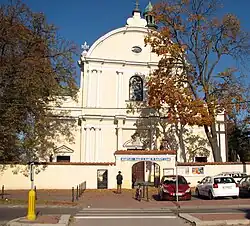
x=38 y=206
x=210 y=207
x=198 y=222
x=64 y=221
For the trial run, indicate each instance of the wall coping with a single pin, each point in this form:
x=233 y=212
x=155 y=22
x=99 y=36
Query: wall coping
x=113 y=163
x=145 y=152
x=67 y=163
x=210 y=163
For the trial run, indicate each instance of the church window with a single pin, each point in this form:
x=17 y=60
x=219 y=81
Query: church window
x=136 y=49
x=136 y=88
x=63 y=158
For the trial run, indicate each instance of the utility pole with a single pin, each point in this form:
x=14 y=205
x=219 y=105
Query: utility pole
x=177 y=182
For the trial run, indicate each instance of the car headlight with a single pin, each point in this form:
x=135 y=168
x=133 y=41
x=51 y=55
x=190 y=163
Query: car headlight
x=188 y=190
x=165 y=190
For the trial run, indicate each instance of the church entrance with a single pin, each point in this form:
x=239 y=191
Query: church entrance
x=146 y=171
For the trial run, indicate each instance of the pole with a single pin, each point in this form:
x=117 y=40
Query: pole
x=177 y=184
x=32 y=196
x=3 y=192
x=32 y=175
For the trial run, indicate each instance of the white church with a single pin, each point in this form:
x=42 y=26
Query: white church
x=114 y=71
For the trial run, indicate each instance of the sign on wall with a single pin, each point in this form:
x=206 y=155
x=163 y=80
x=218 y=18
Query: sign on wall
x=183 y=170
x=198 y=170
x=168 y=171
x=145 y=159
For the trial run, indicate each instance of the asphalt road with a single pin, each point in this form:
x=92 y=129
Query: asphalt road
x=8 y=213
x=210 y=210
x=94 y=216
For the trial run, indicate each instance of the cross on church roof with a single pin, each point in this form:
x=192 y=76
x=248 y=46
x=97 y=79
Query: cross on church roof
x=137 y=5
x=85 y=48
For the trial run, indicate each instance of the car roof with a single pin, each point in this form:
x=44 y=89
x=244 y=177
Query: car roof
x=221 y=176
x=232 y=173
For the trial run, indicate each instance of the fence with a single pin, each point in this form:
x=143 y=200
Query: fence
x=77 y=193
x=61 y=195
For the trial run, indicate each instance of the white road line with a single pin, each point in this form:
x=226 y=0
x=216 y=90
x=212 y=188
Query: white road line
x=124 y=217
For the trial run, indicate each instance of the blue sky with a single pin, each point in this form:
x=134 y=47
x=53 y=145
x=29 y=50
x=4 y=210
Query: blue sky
x=87 y=20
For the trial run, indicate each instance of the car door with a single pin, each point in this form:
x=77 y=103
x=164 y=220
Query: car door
x=243 y=186
x=201 y=186
x=248 y=184
x=208 y=186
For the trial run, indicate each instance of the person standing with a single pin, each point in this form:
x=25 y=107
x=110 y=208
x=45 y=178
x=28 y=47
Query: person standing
x=133 y=180
x=119 y=179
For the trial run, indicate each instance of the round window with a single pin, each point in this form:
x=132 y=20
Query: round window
x=136 y=49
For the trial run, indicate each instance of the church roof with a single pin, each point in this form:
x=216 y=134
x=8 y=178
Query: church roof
x=149 y=7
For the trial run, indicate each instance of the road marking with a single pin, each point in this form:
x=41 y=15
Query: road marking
x=124 y=217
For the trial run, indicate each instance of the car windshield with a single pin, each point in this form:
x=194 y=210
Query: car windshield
x=224 y=180
x=172 y=180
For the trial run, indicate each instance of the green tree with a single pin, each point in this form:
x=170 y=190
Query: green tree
x=36 y=71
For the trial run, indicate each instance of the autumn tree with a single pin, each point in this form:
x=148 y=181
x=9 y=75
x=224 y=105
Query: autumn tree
x=36 y=71
x=192 y=39
x=169 y=110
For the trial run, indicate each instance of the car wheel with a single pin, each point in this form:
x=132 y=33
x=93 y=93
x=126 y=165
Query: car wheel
x=210 y=195
x=197 y=193
x=160 y=197
x=235 y=197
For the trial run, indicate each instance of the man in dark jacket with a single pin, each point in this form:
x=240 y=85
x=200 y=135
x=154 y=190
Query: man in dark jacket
x=119 y=179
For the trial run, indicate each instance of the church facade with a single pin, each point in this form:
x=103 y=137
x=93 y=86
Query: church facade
x=114 y=72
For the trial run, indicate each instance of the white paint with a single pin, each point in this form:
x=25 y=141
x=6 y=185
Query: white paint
x=124 y=217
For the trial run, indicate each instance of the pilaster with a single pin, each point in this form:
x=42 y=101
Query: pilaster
x=86 y=136
x=119 y=89
x=98 y=91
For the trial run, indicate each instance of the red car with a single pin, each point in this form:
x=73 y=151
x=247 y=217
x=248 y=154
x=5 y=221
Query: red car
x=167 y=189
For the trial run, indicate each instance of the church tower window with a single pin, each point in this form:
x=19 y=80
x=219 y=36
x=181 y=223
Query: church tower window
x=136 y=88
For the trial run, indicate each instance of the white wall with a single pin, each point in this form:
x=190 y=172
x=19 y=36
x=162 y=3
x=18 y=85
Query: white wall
x=66 y=176
x=58 y=177
x=210 y=170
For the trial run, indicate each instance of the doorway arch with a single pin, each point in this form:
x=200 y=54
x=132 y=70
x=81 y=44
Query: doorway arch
x=146 y=171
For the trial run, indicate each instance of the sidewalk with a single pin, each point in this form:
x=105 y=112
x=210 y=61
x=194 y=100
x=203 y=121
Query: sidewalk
x=49 y=196
x=48 y=220
x=109 y=199
x=203 y=219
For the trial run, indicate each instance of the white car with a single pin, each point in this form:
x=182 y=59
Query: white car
x=236 y=175
x=217 y=186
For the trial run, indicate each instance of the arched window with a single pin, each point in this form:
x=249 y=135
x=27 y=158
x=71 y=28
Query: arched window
x=136 y=88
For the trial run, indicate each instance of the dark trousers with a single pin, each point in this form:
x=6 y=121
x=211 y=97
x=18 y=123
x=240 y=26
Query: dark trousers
x=119 y=189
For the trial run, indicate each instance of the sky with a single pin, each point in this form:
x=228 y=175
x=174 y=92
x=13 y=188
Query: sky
x=87 y=20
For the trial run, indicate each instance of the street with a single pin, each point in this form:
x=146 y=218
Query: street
x=93 y=216
x=8 y=213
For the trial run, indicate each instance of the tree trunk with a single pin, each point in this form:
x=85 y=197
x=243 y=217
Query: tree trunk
x=179 y=132
x=212 y=138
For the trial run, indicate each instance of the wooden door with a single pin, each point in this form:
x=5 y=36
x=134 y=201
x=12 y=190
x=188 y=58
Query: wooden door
x=138 y=170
